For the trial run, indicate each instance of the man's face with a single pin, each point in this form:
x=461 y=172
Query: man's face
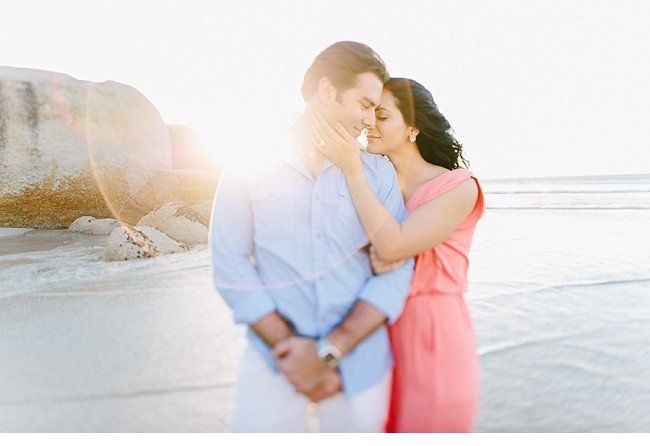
x=355 y=107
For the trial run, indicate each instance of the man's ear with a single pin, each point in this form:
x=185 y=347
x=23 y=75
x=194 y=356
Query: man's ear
x=326 y=91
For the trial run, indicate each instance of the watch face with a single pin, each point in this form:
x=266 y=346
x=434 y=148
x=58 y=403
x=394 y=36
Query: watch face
x=330 y=360
x=328 y=354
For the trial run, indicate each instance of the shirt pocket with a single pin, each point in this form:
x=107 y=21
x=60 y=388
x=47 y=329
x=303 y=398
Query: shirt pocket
x=274 y=213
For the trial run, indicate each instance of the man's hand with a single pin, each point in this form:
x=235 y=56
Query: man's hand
x=298 y=359
x=330 y=385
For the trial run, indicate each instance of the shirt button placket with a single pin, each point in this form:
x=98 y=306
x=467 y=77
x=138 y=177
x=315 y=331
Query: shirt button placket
x=317 y=210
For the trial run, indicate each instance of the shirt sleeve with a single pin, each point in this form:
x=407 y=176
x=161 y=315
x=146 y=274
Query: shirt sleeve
x=231 y=245
x=388 y=291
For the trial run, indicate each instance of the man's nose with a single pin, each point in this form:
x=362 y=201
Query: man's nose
x=369 y=120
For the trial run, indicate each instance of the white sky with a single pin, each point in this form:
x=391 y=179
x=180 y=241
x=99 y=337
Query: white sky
x=532 y=88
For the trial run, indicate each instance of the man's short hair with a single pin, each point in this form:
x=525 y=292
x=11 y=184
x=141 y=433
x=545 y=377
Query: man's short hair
x=341 y=62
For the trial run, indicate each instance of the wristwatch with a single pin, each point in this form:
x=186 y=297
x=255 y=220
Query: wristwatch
x=328 y=353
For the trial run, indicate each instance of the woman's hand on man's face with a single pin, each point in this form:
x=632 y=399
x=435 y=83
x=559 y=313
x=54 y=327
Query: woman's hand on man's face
x=336 y=144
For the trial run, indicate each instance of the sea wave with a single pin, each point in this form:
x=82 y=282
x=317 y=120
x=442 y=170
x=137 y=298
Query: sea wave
x=565 y=191
x=571 y=208
x=557 y=287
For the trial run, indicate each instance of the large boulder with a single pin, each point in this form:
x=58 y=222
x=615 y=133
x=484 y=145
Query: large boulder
x=70 y=148
x=189 y=187
x=181 y=223
x=204 y=209
x=140 y=242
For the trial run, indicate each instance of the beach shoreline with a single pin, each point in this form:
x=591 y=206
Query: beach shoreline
x=558 y=299
x=10 y=232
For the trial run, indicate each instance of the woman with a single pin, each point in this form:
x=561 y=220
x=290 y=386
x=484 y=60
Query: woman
x=435 y=378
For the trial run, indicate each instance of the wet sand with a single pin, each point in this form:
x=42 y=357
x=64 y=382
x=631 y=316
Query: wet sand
x=92 y=346
x=559 y=300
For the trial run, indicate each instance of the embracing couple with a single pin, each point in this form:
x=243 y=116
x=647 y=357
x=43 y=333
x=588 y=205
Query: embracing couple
x=349 y=267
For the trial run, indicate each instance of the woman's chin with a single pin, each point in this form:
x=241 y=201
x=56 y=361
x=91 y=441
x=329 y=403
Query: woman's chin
x=374 y=147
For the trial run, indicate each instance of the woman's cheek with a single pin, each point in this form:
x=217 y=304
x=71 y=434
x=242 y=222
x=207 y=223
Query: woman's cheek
x=393 y=136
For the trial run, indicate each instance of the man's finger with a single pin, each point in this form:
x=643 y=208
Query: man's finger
x=320 y=128
x=316 y=141
x=320 y=135
x=281 y=349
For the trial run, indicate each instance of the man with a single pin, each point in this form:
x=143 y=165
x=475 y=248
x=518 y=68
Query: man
x=288 y=258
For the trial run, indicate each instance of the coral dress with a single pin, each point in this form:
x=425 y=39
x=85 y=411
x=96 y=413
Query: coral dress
x=436 y=373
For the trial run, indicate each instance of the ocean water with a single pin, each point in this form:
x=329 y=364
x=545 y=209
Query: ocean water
x=559 y=295
x=613 y=192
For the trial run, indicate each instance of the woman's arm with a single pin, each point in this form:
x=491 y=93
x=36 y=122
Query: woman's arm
x=429 y=225
x=379 y=267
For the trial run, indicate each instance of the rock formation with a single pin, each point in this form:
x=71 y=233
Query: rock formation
x=98 y=158
x=94 y=226
x=179 y=222
x=70 y=148
x=189 y=187
x=128 y=243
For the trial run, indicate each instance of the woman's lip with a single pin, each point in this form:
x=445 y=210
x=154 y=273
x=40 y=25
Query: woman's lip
x=373 y=137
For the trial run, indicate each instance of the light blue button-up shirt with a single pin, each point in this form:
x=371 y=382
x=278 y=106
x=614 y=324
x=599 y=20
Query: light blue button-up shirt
x=283 y=242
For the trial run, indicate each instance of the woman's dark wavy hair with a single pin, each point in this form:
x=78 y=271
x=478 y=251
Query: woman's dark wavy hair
x=436 y=141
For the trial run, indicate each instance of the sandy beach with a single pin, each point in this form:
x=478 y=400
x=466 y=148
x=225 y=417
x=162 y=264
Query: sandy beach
x=559 y=300
x=94 y=346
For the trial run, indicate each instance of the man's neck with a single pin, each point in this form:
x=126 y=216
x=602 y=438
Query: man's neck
x=308 y=153
x=313 y=160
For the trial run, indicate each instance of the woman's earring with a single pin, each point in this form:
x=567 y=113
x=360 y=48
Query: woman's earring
x=412 y=137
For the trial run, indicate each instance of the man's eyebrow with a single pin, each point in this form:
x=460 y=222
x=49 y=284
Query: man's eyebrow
x=370 y=101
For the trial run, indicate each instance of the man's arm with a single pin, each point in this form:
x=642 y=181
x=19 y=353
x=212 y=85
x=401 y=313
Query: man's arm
x=233 y=272
x=380 y=300
x=384 y=293
x=298 y=357
x=272 y=328
x=360 y=322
